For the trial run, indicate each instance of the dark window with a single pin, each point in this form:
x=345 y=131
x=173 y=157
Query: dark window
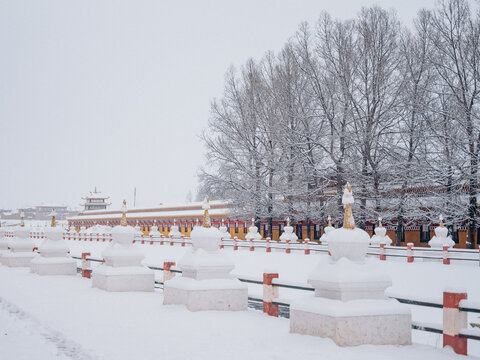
x=236 y=228
x=453 y=232
x=317 y=230
x=299 y=231
x=424 y=233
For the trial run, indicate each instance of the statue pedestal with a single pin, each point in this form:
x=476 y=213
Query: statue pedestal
x=206 y=283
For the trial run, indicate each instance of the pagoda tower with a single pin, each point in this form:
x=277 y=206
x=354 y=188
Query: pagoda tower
x=95 y=201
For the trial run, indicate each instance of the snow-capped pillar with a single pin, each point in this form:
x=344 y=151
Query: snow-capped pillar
x=103 y=237
x=446 y=259
x=252 y=247
x=161 y=239
x=307 y=247
x=235 y=243
x=167 y=273
x=183 y=239
x=86 y=266
x=269 y=249
x=382 y=252
x=410 y=257
x=171 y=240
x=287 y=248
x=142 y=239
x=270 y=293
x=221 y=243
x=454 y=320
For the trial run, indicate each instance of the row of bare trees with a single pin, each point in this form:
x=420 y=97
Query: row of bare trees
x=390 y=109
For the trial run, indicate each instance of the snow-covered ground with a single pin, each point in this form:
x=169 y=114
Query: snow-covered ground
x=63 y=317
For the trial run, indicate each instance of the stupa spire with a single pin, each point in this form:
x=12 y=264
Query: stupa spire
x=206 y=216
x=53 y=223
x=347 y=200
x=22 y=219
x=380 y=221
x=124 y=222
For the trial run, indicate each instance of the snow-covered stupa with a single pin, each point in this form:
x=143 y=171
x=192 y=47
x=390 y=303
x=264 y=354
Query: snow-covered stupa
x=349 y=305
x=54 y=258
x=441 y=237
x=21 y=247
x=380 y=236
x=154 y=232
x=206 y=282
x=224 y=231
x=174 y=232
x=288 y=234
x=326 y=230
x=122 y=270
x=253 y=233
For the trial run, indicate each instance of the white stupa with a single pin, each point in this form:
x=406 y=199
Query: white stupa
x=122 y=270
x=174 y=232
x=21 y=247
x=441 y=237
x=223 y=230
x=54 y=258
x=253 y=233
x=206 y=282
x=288 y=233
x=380 y=236
x=154 y=233
x=326 y=230
x=349 y=305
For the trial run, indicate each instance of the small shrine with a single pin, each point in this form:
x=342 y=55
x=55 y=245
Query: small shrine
x=54 y=256
x=288 y=234
x=95 y=201
x=328 y=228
x=122 y=270
x=380 y=236
x=253 y=233
x=206 y=282
x=441 y=237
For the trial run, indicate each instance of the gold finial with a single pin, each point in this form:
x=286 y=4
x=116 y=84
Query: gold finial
x=379 y=221
x=348 y=221
x=329 y=221
x=253 y=221
x=53 y=223
x=206 y=216
x=95 y=190
x=288 y=221
x=441 y=220
x=22 y=219
x=123 y=222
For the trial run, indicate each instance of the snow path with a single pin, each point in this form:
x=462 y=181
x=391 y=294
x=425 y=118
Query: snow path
x=121 y=326
x=20 y=329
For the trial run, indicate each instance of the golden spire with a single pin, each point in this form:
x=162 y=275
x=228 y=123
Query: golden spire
x=329 y=221
x=288 y=221
x=253 y=221
x=441 y=220
x=123 y=222
x=22 y=219
x=206 y=217
x=348 y=221
x=53 y=224
x=379 y=221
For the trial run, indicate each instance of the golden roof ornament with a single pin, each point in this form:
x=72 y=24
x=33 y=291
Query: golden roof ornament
x=288 y=221
x=329 y=221
x=347 y=200
x=206 y=216
x=53 y=223
x=124 y=222
x=441 y=220
x=380 y=221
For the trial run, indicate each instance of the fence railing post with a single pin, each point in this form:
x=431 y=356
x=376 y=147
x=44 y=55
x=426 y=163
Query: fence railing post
x=382 y=252
x=270 y=293
x=167 y=273
x=269 y=249
x=252 y=247
x=446 y=259
x=183 y=240
x=161 y=239
x=287 y=248
x=221 y=243
x=235 y=243
x=86 y=266
x=171 y=240
x=307 y=247
x=454 y=320
x=410 y=257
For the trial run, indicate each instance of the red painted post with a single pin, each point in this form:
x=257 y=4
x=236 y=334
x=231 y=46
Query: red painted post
x=235 y=243
x=287 y=249
x=382 y=252
x=269 y=249
x=446 y=259
x=171 y=240
x=270 y=293
x=410 y=257
x=454 y=320
x=86 y=270
x=167 y=274
x=221 y=243
x=252 y=248
x=183 y=239
x=307 y=248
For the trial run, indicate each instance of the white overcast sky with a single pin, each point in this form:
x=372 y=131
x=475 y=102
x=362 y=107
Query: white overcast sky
x=116 y=93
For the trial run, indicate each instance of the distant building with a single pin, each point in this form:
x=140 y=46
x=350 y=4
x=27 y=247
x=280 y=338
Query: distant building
x=95 y=201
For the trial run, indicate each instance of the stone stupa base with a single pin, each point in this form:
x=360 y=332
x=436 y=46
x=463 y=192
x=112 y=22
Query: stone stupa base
x=351 y=323
x=17 y=259
x=124 y=278
x=53 y=266
x=210 y=294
